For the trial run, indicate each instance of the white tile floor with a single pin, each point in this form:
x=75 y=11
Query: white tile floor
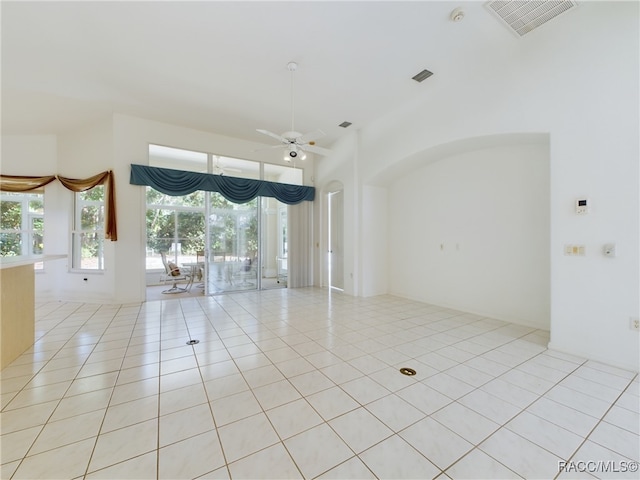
x=301 y=383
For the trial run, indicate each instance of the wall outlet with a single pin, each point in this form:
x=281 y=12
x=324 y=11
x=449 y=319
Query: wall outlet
x=609 y=249
x=634 y=323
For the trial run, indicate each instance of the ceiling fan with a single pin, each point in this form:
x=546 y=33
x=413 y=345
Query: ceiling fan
x=220 y=169
x=296 y=143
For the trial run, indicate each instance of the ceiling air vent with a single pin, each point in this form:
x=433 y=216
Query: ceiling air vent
x=423 y=75
x=525 y=16
x=345 y=124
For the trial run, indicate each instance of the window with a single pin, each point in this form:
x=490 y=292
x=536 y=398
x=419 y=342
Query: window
x=88 y=230
x=22 y=224
x=282 y=174
x=246 y=244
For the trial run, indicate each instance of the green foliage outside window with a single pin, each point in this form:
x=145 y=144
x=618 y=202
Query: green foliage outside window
x=10 y=242
x=37 y=239
x=21 y=224
x=90 y=226
x=161 y=226
x=163 y=211
x=11 y=215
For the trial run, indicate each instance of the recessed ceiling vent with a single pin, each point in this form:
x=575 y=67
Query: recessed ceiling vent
x=423 y=75
x=524 y=16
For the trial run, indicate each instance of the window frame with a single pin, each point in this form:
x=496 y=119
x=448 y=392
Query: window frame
x=27 y=216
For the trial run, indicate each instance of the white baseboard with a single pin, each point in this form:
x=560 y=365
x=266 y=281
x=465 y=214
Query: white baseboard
x=596 y=358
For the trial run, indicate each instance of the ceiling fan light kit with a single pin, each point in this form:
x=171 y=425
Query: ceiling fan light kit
x=294 y=153
x=297 y=144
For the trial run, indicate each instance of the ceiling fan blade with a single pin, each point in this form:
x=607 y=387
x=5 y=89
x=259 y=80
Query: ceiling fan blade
x=316 y=149
x=310 y=137
x=273 y=135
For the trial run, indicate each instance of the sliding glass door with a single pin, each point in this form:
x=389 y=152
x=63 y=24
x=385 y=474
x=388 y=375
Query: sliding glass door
x=234 y=259
x=228 y=246
x=175 y=229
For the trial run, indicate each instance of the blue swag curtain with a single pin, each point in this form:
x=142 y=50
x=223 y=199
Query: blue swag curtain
x=237 y=190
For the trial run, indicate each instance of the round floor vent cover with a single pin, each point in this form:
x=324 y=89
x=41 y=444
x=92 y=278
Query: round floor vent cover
x=407 y=371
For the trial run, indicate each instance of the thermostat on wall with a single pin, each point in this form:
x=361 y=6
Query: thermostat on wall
x=582 y=206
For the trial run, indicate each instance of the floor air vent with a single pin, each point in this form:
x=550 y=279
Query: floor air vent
x=524 y=16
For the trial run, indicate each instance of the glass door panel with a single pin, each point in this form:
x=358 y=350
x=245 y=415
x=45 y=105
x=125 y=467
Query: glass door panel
x=233 y=246
x=190 y=244
x=274 y=244
x=175 y=226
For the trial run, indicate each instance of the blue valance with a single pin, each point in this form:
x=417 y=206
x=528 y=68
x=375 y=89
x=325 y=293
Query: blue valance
x=237 y=190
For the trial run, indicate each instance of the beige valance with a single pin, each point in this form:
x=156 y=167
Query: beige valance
x=14 y=183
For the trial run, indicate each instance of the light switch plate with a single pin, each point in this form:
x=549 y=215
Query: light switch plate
x=582 y=206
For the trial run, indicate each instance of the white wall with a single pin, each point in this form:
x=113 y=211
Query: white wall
x=37 y=155
x=374 y=274
x=132 y=137
x=577 y=81
x=471 y=232
x=34 y=155
x=82 y=154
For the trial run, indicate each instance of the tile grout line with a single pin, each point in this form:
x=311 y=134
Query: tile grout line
x=215 y=423
x=264 y=412
x=33 y=375
x=25 y=456
x=115 y=384
x=586 y=438
x=245 y=304
x=281 y=440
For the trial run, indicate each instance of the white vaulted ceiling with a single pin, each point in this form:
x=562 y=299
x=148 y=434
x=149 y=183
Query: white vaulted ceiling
x=222 y=66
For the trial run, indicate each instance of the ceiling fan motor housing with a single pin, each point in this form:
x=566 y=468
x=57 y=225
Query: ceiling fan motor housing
x=291 y=136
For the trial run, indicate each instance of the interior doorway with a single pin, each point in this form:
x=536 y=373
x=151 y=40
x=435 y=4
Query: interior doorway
x=335 y=243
